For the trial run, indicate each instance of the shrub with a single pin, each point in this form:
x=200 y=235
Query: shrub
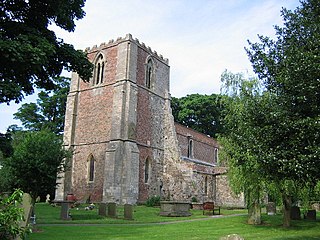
x=11 y=215
x=153 y=201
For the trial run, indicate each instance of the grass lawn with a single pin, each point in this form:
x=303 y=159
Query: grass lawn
x=149 y=225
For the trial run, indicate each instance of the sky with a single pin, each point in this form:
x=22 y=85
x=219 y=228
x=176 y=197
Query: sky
x=201 y=38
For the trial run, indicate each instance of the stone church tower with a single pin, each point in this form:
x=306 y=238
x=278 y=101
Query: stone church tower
x=114 y=125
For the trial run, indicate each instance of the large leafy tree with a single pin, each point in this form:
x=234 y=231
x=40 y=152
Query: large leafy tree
x=49 y=110
x=31 y=54
x=199 y=112
x=289 y=67
x=36 y=161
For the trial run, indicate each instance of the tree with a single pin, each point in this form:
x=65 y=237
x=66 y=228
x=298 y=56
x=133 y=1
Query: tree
x=31 y=54
x=36 y=161
x=199 y=112
x=49 y=111
x=239 y=142
x=289 y=68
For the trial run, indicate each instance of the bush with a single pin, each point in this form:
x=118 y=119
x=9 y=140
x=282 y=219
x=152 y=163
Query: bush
x=10 y=216
x=153 y=201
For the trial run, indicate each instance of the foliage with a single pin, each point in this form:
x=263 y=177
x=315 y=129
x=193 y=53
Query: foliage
x=199 y=112
x=289 y=67
x=49 y=111
x=11 y=215
x=5 y=144
x=37 y=158
x=239 y=140
x=153 y=201
x=31 y=54
x=278 y=126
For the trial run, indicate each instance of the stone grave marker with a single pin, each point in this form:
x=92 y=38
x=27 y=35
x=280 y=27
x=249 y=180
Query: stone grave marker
x=103 y=209
x=112 y=209
x=128 y=211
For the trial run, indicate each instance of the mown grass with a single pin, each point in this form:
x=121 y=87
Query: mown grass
x=47 y=214
x=149 y=225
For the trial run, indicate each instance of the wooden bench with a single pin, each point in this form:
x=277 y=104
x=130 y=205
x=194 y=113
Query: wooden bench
x=209 y=206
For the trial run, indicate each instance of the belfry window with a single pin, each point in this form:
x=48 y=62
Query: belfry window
x=190 y=148
x=98 y=70
x=147 y=170
x=91 y=166
x=149 y=71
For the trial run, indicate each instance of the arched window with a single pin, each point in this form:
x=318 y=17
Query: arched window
x=98 y=70
x=91 y=163
x=147 y=170
x=190 y=148
x=149 y=71
x=206 y=185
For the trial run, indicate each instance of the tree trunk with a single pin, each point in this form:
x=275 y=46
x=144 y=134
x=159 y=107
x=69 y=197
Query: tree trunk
x=254 y=208
x=287 y=202
x=254 y=212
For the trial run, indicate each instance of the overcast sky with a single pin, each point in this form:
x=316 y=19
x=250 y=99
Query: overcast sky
x=200 y=38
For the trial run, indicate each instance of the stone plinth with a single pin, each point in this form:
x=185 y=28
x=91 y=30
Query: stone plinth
x=174 y=209
x=65 y=207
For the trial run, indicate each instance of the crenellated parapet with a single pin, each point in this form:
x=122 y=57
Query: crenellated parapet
x=128 y=37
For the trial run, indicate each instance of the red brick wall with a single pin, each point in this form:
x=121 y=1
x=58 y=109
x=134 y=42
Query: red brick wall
x=93 y=126
x=203 y=146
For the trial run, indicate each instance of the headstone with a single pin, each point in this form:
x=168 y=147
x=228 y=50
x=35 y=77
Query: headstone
x=271 y=208
x=311 y=215
x=128 y=211
x=232 y=237
x=48 y=198
x=295 y=213
x=112 y=210
x=103 y=209
x=27 y=207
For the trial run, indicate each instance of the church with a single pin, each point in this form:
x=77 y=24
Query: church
x=125 y=144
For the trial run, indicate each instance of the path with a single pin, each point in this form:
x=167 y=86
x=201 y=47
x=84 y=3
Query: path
x=137 y=224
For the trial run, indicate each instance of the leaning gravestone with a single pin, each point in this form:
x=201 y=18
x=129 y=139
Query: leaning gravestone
x=27 y=207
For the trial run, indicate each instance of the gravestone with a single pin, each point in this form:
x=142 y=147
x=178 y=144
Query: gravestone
x=103 y=209
x=48 y=198
x=112 y=209
x=295 y=213
x=311 y=215
x=27 y=207
x=271 y=208
x=128 y=211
